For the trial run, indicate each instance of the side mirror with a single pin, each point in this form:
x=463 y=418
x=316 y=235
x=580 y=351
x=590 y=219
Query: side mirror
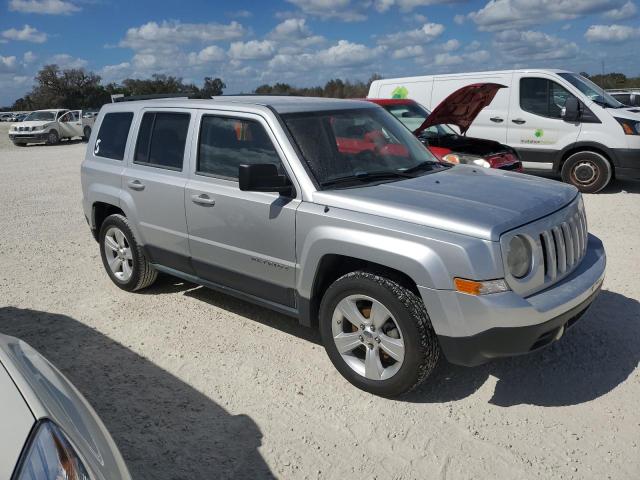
x=263 y=177
x=571 y=110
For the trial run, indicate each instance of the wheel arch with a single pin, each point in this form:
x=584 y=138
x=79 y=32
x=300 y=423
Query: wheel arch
x=586 y=147
x=100 y=211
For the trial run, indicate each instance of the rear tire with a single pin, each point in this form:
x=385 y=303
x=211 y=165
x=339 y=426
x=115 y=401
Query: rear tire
x=122 y=257
x=588 y=171
x=404 y=346
x=20 y=144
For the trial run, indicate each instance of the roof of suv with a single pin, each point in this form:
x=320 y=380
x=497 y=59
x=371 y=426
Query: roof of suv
x=281 y=104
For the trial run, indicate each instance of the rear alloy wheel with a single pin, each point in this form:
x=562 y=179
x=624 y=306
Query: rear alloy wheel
x=52 y=138
x=377 y=333
x=122 y=257
x=590 y=172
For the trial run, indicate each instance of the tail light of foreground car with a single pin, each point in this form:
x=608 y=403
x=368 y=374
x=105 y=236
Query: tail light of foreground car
x=49 y=456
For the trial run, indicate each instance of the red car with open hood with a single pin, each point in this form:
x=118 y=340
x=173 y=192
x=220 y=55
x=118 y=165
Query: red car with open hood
x=459 y=109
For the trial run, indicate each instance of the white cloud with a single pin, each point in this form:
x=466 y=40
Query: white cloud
x=45 y=7
x=459 y=19
x=240 y=14
x=252 y=50
x=523 y=46
x=406 y=5
x=209 y=54
x=450 y=45
x=294 y=36
x=343 y=10
x=151 y=35
x=64 y=60
x=343 y=55
x=8 y=64
x=446 y=59
x=114 y=73
x=511 y=14
x=625 y=12
x=611 y=33
x=409 y=51
x=26 y=34
x=425 y=34
x=29 y=57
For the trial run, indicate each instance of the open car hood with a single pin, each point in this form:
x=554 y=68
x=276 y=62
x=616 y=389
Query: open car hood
x=462 y=107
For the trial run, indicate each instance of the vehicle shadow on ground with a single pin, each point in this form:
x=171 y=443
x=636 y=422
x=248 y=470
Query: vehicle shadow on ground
x=593 y=358
x=164 y=428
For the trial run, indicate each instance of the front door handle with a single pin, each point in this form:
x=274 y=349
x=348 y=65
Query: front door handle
x=496 y=119
x=203 y=199
x=519 y=121
x=135 y=185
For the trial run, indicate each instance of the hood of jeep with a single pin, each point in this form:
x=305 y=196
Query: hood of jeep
x=479 y=202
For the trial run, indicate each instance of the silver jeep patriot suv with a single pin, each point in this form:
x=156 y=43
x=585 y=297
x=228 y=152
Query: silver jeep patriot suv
x=332 y=212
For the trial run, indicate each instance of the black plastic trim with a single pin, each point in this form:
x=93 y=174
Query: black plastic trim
x=169 y=259
x=507 y=341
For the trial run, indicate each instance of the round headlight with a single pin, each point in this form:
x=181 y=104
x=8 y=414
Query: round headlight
x=519 y=257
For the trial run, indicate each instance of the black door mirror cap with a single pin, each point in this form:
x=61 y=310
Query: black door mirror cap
x=571 y=110
x=263 y=177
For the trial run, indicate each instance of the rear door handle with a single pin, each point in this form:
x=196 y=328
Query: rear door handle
x=519 y=121
x=203 y=199
x=496 y=119
x=135 y=185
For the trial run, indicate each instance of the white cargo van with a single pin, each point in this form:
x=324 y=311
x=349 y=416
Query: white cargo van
x=556 y=120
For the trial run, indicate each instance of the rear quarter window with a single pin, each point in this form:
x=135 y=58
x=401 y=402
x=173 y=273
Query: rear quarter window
x=112 y=136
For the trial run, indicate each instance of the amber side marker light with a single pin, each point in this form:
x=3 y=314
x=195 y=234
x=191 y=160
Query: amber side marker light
x=473 y=287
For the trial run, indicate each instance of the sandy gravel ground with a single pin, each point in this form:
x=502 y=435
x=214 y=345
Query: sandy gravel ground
x=195 y=384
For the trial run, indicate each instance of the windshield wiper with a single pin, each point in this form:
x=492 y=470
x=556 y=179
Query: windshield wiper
x=426 y=165
x=365 y=176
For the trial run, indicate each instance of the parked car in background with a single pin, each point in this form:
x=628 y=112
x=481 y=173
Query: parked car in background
x=6 y=117
x=395 y=255
x=50 y=126
x=628 y=97
x=20 y=117
x=49 y=431
x=556 y=120
x=459 y=109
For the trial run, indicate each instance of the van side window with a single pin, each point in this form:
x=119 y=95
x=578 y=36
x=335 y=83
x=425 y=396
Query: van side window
x=161 y=140
x=542 y=97
x=226 y=143
x=112 y=137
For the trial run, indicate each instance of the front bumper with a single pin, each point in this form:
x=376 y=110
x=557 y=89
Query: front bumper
x=474 y=329
x=27 y=136
x=626 y=162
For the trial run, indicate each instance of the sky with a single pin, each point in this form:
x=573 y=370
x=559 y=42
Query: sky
x=307 y=42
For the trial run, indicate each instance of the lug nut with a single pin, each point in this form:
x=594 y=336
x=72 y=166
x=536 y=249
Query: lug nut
x=378 y=339
x=339 y=322
x=370 y=345
x=361 y=338
x=362 y=326
x=373 y=328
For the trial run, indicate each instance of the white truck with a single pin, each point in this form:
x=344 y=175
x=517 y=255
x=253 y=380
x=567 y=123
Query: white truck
x=556 y=120
x=51 y=126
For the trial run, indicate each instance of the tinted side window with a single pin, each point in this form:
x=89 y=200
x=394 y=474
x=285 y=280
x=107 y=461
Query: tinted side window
x=624 y=98
x=112 y=137
x=161 y=139
x=542 y=97
x=226 y=143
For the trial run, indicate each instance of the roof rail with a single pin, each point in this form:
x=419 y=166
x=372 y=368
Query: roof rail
x=155 y=96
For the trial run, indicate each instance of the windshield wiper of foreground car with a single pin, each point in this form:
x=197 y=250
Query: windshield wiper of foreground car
x=424 y=166
x=366 y=176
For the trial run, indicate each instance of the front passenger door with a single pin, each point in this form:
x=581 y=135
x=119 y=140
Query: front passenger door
x=238 y=239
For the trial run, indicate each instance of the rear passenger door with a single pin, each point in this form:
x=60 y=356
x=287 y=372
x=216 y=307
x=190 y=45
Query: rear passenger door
x=154 y=183
x=242 y=240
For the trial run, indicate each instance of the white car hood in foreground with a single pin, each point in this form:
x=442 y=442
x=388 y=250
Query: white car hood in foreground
x=16 y=420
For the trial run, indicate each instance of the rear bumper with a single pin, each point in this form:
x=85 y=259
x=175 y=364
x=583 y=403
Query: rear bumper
x=474 y=329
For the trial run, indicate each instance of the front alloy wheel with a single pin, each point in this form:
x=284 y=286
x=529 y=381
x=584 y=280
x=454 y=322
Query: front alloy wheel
x=367 y=337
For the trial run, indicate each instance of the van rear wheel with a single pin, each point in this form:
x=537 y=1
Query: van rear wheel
x=589 y=171
x=377 y=333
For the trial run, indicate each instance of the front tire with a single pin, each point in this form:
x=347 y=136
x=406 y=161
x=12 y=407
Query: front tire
x=589 y=171
x=122 y=257
x=377 y=334
x=87 y=133
x=53 y=138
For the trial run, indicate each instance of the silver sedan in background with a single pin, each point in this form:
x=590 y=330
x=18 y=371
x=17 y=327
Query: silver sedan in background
x=49 y=431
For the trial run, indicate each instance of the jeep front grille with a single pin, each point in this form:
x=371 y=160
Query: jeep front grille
x=564 y=245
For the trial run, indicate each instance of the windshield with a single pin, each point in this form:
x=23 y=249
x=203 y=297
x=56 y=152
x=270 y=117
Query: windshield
x=40 y=116
x=357 y=145
x=591 y=90
x=412 y=115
